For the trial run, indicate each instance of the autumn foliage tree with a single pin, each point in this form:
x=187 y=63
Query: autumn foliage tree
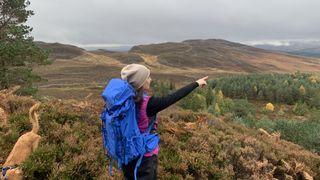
x=17 y=48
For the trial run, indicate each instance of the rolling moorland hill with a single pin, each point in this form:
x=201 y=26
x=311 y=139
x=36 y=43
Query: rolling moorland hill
x=77 y=72
x=225 y=55
x=123 y=57
x=61 y=51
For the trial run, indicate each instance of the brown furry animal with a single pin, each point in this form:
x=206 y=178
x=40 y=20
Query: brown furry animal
x=24 y=146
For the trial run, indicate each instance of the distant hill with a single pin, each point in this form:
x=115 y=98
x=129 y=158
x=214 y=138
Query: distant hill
x=312 y=52
x=179 y=62
x=61 y=51
x=308 y=48
x=123 y=57
x=225 y=55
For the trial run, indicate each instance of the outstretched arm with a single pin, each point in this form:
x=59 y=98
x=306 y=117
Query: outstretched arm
x=157 y=104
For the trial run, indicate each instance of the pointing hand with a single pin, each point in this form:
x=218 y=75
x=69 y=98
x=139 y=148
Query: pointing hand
x=202 y=82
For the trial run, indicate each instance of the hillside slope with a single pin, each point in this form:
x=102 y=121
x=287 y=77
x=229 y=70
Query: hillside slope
x=193 y=145
x=225 y=55
x=61 y=51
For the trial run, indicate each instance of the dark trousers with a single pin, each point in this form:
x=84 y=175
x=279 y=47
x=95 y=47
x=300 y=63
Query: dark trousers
x=146 y=171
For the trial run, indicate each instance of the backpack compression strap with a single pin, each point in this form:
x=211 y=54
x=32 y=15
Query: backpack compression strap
x=140 y=158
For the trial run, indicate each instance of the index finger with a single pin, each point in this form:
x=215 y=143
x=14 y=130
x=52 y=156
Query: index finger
x=204 y=78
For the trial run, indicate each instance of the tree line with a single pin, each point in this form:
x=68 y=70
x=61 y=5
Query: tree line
x=280 y=88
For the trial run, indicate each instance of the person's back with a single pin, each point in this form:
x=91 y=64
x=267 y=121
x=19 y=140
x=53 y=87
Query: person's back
x=148 y=107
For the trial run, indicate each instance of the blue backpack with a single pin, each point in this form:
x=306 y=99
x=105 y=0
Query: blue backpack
x=121 y=135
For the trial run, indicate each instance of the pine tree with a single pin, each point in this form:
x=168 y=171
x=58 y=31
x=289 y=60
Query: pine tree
x=260 y=95
x=209 y=96
x=217 y=108
x=17 y=49
x=302 y=90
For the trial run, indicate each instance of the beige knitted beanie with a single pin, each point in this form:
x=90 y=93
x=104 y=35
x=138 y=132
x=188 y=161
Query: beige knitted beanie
x=135 y=74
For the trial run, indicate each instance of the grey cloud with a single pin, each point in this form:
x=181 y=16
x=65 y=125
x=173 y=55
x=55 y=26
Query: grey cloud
x=148 y=21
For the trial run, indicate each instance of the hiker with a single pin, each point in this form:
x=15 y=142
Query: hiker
x=139 y=77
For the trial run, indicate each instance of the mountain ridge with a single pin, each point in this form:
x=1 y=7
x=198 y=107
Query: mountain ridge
x=189 y=58
x=61 y=51
x=225 y=55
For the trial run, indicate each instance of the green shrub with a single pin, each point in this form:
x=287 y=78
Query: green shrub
x=170 y=159
x=227 y=105
x=315 y=116
x=242 y=108
x=162 y=87
x=42 y=161
x=247 y=121
x=186 y=116
x=20 y=123
x=304 y=133
x=184 y=137
x=265 y=124
x=300 y=109
x=28 y=90
x=193 y=101
x=314 y=99
x=58 y=114
x=7 y=142
x=23 y=76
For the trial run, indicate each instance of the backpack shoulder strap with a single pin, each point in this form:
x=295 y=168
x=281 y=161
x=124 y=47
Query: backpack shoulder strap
x=152 y=120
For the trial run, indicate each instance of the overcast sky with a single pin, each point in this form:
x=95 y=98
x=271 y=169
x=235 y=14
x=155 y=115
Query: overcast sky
x=128 y=22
